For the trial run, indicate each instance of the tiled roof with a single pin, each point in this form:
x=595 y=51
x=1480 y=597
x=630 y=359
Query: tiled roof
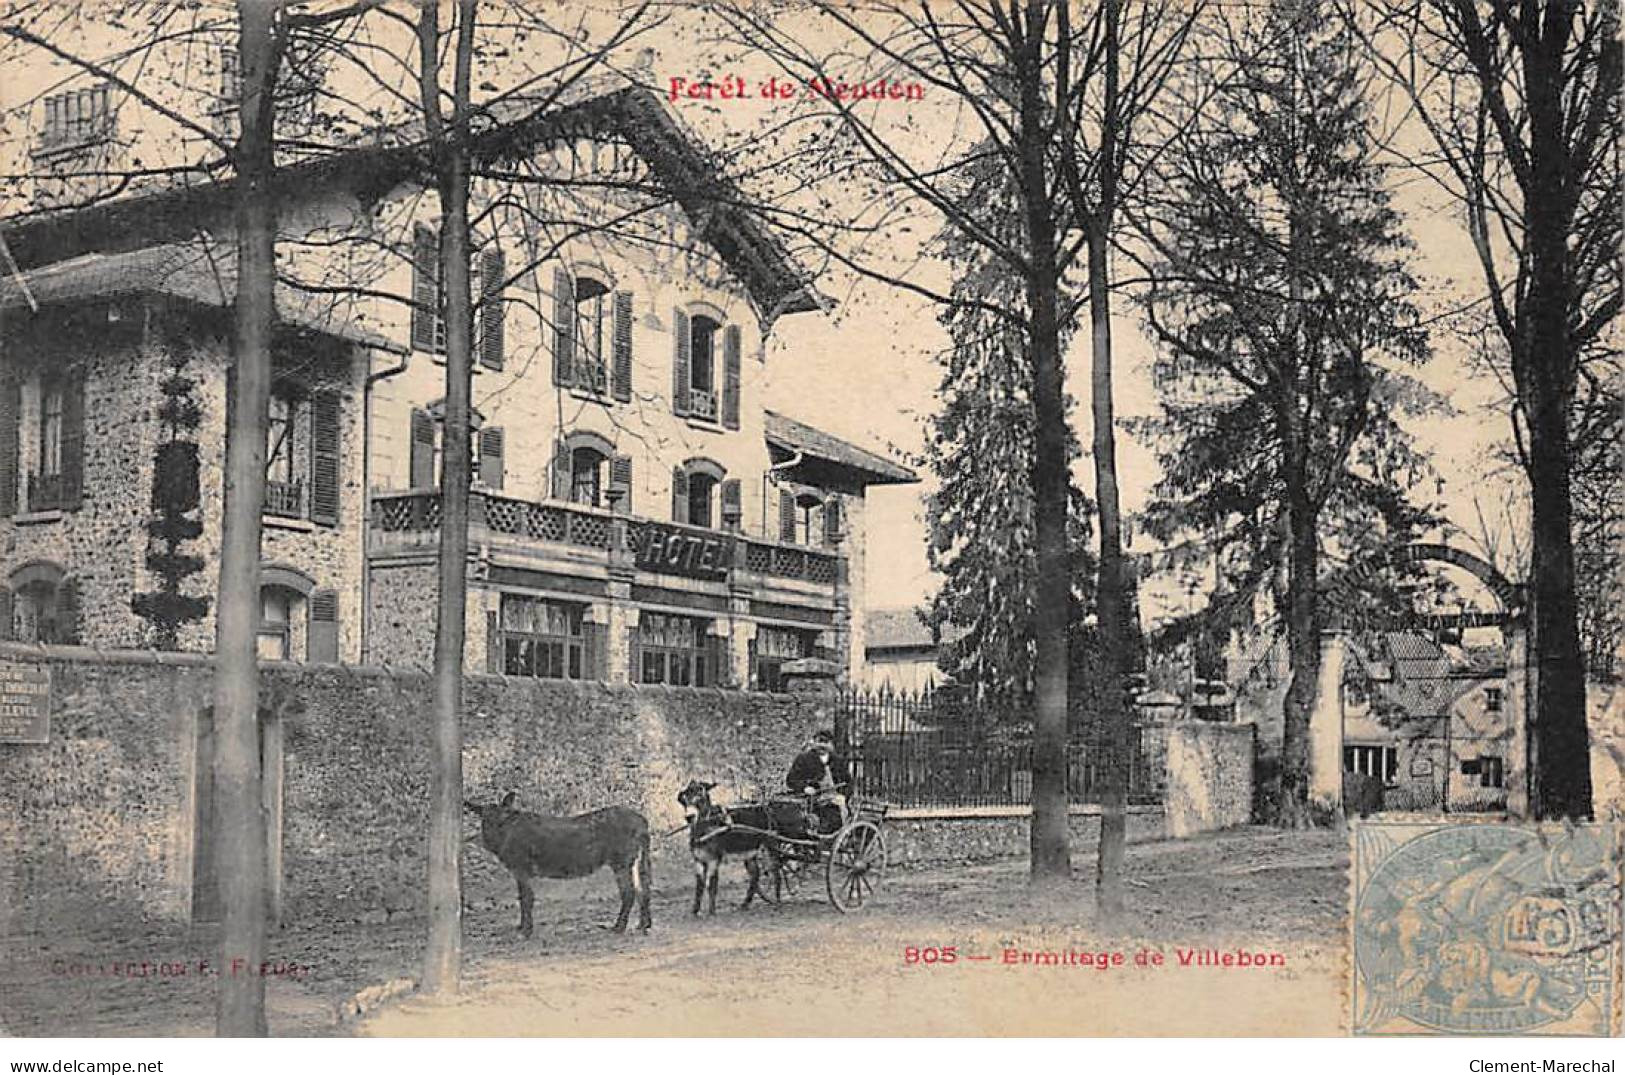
x=191 y=272
x=899 y=628
x=1411 y=673
x=797 y=436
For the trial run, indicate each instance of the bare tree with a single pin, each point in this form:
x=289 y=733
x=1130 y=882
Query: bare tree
x=1518 y=104
x=1055 y=105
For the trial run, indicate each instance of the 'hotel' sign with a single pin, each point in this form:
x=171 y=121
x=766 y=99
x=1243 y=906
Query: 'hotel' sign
x=25 y=702
x=671 y=551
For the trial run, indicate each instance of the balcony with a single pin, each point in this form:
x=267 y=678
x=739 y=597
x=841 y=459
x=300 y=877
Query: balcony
x=591 y=538
x=50 y=492
x=285 y=500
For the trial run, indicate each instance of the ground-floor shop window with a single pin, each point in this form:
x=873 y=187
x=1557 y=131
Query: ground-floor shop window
x=543 y=639
x=773 y=649
x=674 y=650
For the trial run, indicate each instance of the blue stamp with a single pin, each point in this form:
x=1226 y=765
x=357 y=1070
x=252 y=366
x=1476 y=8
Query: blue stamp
x=1478 y=928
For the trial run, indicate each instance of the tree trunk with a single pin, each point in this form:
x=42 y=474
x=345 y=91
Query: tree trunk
x=442 y=973
x=1560 y=761
x=239 y=833
x=1303 y=648
x=1111 y=595
x=1051 y=858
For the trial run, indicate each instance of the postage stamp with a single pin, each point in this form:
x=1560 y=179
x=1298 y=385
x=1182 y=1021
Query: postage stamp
x=1479 y=928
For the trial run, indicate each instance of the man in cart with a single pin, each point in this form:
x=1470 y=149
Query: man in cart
x=822 y=775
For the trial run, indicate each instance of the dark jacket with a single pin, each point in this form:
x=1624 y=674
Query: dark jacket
x=809 y=771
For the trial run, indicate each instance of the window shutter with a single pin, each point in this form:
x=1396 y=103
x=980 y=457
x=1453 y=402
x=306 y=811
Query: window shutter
x=322 y=645
x=561 y=473
x=730 y=377
x=832 y=521
x=787 y=515
x=493 y=645
x=10 y=450
x=733 y=504
x=73 y=442
x=425 y=286
x=324 y=459
x=623 y=346
x=679 y=495
x=491 y=457
x=564 y=328
x=493 y=312
x=422 y=476
x=69 y=617
x=8 y=626
x=620 y=483
x=681 y=357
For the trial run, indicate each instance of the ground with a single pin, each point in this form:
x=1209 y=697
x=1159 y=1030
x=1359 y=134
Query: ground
x=800 y=969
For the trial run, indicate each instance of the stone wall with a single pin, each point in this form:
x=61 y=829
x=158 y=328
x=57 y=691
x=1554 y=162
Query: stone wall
x=1210 y=777
x=99 y=823
x=990 y=834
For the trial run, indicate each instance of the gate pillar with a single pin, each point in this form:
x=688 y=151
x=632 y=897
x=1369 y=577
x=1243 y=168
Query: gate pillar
x=1326 y=725
x=1517 y=698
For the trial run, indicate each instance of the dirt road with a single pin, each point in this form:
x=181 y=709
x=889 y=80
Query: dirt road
x=804 y=970
x=798 y=969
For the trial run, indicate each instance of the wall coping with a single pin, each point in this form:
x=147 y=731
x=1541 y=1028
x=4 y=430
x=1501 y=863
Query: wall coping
x=971 y=813
x=61 y=654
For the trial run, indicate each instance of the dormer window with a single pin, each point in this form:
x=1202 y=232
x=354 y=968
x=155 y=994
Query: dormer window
x=77 y=118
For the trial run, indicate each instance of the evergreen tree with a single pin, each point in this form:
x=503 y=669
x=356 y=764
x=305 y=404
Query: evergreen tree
x=175 y=521
x=1282 y=302
x=980 y=446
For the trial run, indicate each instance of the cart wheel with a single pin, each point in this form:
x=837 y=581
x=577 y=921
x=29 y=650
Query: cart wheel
x=856 y=862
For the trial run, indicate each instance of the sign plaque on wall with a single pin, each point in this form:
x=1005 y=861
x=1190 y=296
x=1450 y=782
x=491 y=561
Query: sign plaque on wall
x=25 y=702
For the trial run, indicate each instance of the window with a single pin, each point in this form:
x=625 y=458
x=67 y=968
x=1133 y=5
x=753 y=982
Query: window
x=543 y=639
x=774 y=647
x=592 y=313
x=50 y=429
x=487 y=277
x=586 y=477
x=35 y=613
x=672 y=650
x=1492 y=701
x=702 y=345
x=1372 y=761
x=283 y=491
x=701 y=488
x=77 y=118
x=809 y=520
x=57 y=453
x=275 y=639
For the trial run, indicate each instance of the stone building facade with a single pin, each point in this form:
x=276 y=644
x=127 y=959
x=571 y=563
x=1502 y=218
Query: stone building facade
x=639 y=513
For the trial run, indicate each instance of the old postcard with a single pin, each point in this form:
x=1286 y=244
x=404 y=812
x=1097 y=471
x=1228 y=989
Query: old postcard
x=1047 y=518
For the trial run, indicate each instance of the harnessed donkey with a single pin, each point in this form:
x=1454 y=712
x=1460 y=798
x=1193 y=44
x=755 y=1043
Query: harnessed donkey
x=715 y=832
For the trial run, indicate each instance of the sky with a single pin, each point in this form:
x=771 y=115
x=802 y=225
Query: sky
x=868 y=371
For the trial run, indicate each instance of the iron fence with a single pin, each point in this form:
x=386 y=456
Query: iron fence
x=933 y=749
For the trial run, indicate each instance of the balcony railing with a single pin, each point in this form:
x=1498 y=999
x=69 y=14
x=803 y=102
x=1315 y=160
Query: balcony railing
x=568 y=524
x=285 y=499
x=50 y=492
x=702 y=403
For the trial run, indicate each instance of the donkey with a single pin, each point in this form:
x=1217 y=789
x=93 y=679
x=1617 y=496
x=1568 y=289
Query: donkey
x=712 y=837
x=531 y=845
